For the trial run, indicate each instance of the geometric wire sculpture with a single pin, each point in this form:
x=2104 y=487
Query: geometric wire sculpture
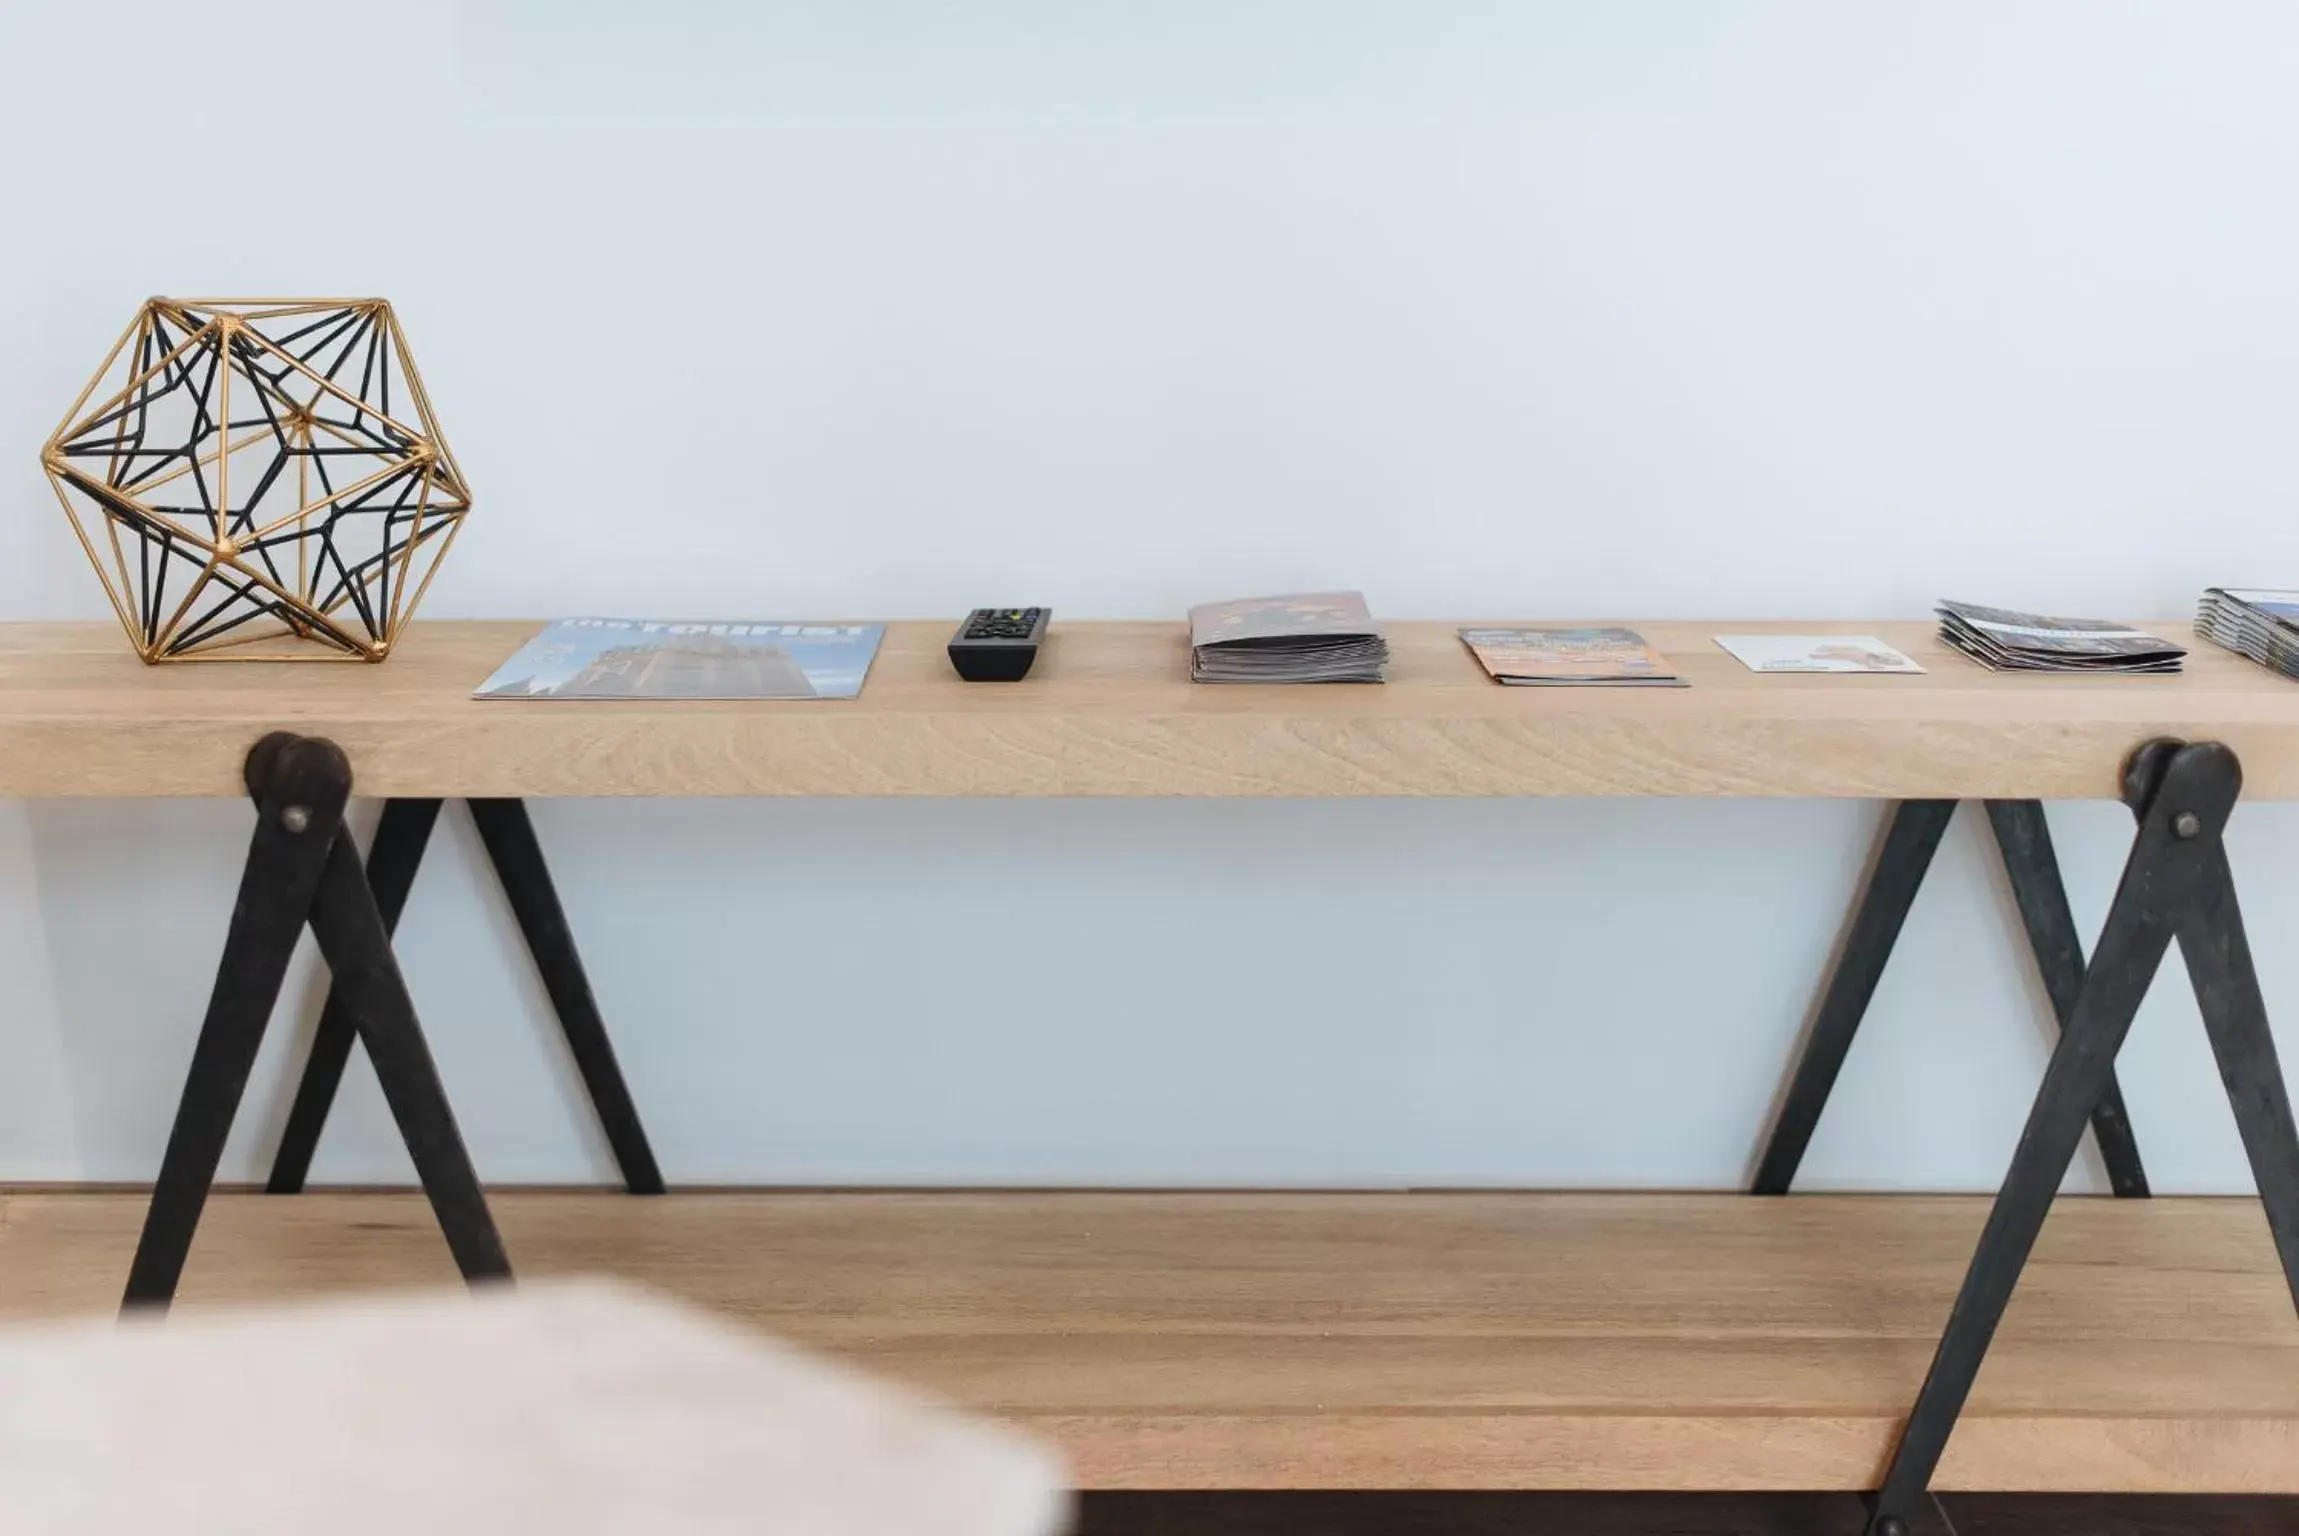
x=260 y=479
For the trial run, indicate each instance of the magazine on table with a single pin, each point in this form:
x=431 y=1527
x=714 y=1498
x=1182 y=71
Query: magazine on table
x=1302 y=637
x=687 y=659
x=2007 y=640
x=2253 y=622
x=1568 y=658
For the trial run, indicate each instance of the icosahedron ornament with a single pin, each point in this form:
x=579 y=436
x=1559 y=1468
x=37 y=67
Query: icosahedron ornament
x=260 y=478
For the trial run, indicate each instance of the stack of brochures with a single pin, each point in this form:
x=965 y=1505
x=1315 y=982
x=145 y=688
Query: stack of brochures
x=2004 y=640
x=2261 y=625
x=1308 y=637
x=1569 y=658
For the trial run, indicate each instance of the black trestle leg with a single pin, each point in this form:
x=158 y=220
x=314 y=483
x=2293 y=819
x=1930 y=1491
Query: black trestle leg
x=303 y=868
x=396 y=854
x=300 y=792
x=349 y=926
x=509 y=836
x=1911 y=837
x=2183 y=810
x=2025 y=841
x=2235 y=1016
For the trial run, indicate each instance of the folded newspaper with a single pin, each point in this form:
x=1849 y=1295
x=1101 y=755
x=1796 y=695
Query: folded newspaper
x=2005 y=640
x=1307 y=637
x=2261 y=625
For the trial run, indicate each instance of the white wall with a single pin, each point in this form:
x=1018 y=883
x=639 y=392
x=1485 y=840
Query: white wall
x=786 y=310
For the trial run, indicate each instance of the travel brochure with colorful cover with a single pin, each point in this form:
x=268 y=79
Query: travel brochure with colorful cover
x=1816 y=653
x=674 y=659
x=1568 y=658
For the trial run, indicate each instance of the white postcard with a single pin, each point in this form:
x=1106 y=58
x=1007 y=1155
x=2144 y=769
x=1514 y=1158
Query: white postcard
x=1816 y=653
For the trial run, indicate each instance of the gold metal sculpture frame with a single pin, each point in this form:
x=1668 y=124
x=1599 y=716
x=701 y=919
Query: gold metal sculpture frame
x=260 y=480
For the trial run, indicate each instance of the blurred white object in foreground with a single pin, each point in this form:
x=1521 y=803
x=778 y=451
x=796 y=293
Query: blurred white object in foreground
x=549 y=1408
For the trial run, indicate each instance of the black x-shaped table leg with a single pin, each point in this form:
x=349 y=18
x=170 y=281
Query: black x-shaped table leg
x=1911 y=837
x=2176 y=884
x=303 y=868
x=393 y=859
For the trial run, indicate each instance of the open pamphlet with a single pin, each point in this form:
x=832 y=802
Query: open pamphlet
x=2006 y=640
x=1304 y=637
x=683 y=659
x=1568 y=658
x=1816 y=653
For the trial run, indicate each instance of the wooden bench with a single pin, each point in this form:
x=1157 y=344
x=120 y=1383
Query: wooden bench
x=1109 y=712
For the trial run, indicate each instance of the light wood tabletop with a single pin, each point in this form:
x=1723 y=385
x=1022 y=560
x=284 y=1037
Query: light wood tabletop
x=1110 y=710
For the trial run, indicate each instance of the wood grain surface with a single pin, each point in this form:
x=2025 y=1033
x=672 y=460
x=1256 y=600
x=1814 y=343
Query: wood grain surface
x=1109 y=710
x=1219 y=1340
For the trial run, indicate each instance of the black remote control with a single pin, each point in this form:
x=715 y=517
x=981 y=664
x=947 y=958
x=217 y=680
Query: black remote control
x=997 y=645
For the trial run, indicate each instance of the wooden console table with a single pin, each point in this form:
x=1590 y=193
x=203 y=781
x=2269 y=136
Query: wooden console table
x=1109 y=712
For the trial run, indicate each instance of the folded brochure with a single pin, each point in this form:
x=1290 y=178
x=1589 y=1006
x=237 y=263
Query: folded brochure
x=1300 y=637
x=1816 y=653
x=2007 y=640
x=1568 y=658
x=2254 y=622
x=681 y=659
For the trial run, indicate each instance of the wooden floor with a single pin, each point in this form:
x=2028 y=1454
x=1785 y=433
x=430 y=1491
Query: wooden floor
x=1446 y=1341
